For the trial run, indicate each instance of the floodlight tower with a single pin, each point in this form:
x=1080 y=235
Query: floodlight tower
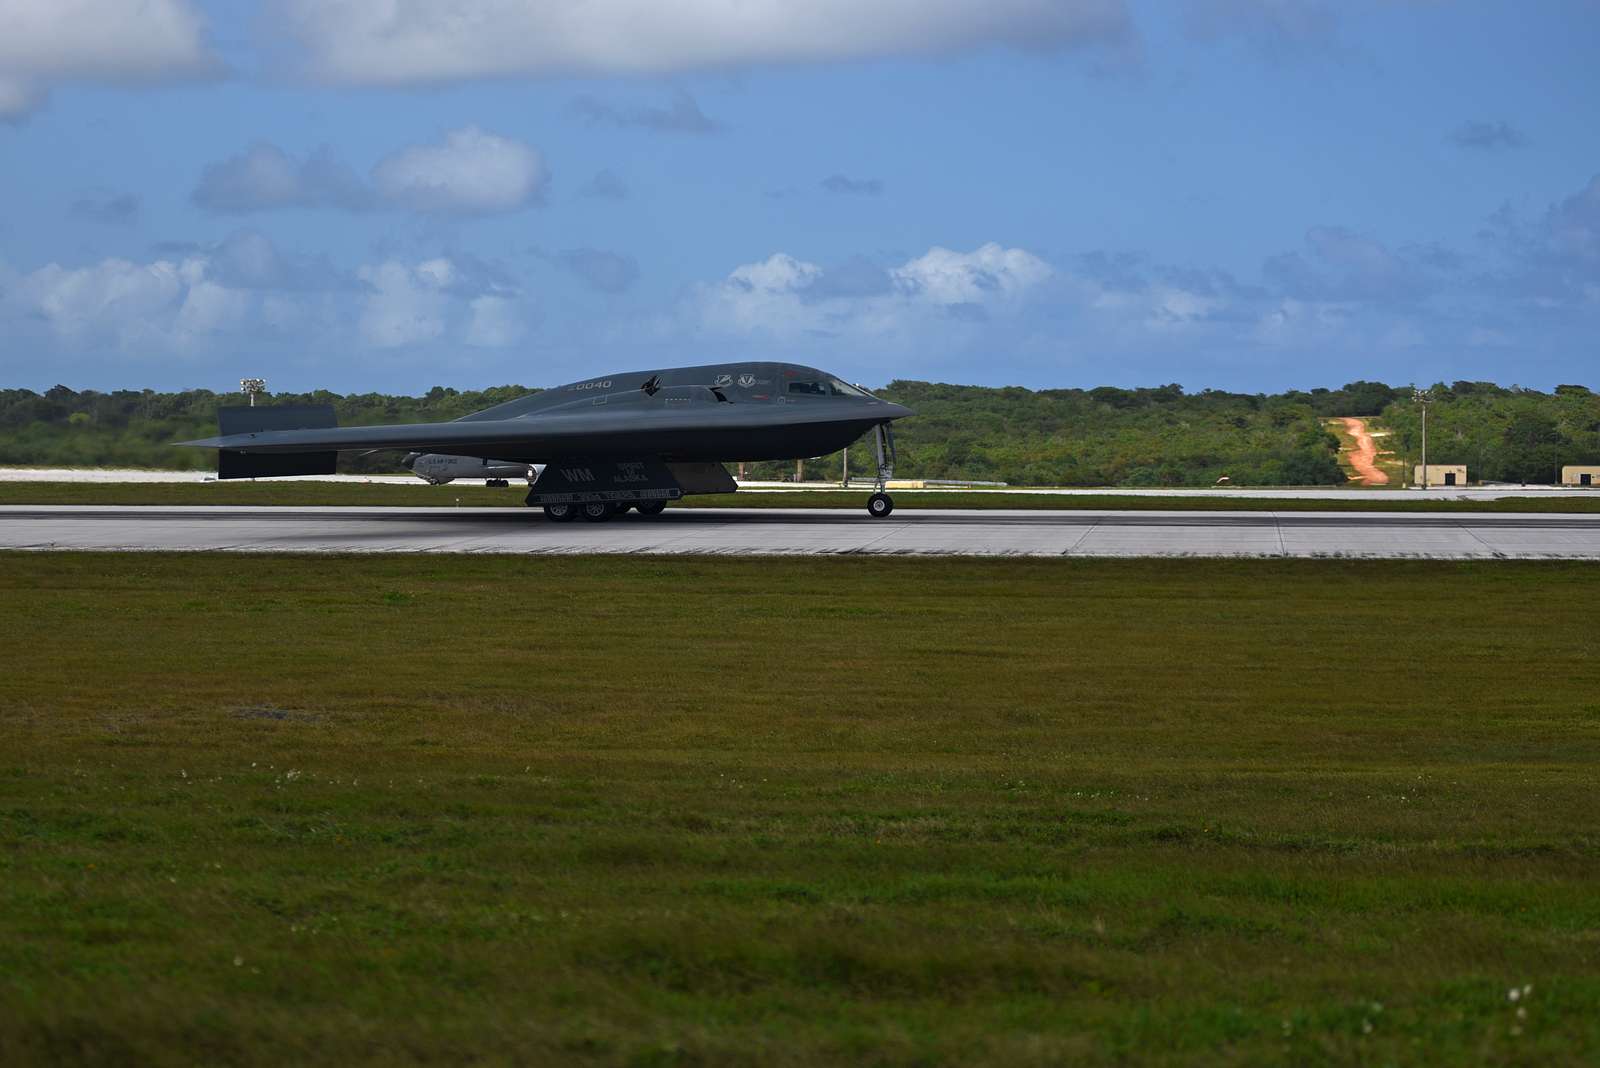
x=251 y=386
x=1423 y=398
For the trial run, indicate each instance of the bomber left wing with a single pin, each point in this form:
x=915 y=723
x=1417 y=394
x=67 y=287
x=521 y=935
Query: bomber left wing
x=273 y=447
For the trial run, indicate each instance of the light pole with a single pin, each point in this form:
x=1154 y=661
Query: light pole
x=1423 y=398
x=251 y=386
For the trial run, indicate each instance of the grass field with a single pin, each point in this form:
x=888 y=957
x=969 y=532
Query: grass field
x=263 y=810
x=477 y=496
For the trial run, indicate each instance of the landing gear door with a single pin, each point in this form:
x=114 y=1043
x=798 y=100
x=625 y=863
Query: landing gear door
x=618 y=481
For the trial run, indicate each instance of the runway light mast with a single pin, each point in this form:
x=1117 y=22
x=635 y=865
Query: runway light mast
x=251 y=386
x=1423 y=398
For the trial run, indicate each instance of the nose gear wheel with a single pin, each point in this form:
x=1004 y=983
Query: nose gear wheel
x=880 y=504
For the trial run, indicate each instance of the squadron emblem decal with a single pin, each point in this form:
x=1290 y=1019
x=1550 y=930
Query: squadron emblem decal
x=746 y=380
x=722 y=380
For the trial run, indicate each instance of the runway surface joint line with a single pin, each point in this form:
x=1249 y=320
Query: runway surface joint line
x=808 y=531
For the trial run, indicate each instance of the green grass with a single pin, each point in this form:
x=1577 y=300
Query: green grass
x=269 y=810
x=478 y=496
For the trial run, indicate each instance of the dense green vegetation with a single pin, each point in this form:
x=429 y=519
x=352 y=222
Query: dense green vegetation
x=134 y=428
x=1502 y=435
x=530 y=810
x=1113 y=437
x=1107 y=436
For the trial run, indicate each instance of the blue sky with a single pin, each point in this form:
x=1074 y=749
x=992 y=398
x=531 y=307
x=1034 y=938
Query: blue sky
x=371 y=194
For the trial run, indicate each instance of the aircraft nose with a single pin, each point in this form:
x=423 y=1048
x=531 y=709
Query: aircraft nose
x=897 y=411
x=409 y=460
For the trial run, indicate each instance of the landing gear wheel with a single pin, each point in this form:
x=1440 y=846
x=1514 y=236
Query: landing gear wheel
x=596 y=511
x=651 y=507
x=561 y=513
x=879 y=505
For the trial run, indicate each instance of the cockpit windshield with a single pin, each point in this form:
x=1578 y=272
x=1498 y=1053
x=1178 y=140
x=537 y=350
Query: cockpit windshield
x=830 y=387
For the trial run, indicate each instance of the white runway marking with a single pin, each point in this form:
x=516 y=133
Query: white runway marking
x=749 y=532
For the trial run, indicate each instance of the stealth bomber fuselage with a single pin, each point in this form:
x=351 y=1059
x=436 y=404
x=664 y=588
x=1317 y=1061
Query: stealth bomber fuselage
x=634 y=438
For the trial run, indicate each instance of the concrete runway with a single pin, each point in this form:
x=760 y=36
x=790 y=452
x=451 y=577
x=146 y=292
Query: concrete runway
x=1491 y=492
x=748 y=532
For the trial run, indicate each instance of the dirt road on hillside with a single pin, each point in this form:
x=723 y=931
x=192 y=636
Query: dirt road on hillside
x=1364 y=457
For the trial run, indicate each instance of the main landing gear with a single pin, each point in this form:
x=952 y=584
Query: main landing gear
x=600 y=511
x=880 y=504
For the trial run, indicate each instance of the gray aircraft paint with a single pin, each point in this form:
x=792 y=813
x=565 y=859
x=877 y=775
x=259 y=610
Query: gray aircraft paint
x=677 y=416
x=613 y=416
x=436 y=469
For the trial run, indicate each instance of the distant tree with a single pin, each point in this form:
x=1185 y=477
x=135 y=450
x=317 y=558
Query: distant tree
x=1533 y=445
x=1367 y=398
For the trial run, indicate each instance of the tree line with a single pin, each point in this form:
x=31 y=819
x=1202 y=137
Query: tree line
x=1160 y=436
x=1502 y=435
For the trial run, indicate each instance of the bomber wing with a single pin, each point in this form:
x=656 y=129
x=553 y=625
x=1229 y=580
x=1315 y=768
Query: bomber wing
x=706 y=431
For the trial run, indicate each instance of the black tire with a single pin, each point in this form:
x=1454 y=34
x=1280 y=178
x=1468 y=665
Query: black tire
x=879 y=505
x=620 y=509
x=561 y=513
x=595 y=511
x=651 y=507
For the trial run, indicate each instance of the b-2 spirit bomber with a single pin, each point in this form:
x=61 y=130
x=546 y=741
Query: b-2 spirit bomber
x=632 y=440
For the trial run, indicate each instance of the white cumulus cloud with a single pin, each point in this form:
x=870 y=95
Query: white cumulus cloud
x=494 y=322
x=412 y=304
x=469 y=172
x=406 y=304
x=45 y=43
x=390 y=42
x=268 y=177
x=788 y=298
x=985 y=274
x=115 y=300
x=203 y=300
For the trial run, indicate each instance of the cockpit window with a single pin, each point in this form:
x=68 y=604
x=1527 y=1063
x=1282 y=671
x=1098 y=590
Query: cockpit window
x=830 y=388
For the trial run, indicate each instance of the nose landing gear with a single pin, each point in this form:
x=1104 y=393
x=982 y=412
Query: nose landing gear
x=880 y=504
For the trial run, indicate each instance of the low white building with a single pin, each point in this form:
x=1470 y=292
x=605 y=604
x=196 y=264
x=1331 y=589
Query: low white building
x=1439 y=475
x=1580 y=475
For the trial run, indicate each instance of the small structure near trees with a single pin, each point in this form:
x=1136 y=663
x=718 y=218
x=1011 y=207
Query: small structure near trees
x=1439 y=475
x=1580 y=475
